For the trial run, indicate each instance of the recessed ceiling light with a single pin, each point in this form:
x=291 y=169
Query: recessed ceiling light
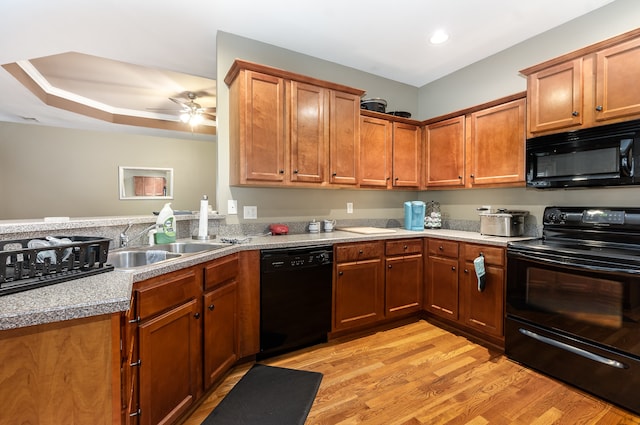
x=439 y=37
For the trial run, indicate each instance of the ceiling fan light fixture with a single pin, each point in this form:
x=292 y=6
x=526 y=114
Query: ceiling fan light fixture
x=185 y=117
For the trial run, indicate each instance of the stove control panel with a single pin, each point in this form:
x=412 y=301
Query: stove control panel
x=591 y=217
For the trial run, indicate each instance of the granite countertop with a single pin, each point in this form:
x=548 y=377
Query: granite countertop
x=111 y=292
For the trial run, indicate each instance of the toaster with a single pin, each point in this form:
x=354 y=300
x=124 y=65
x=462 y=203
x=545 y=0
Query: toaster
x=502 y=223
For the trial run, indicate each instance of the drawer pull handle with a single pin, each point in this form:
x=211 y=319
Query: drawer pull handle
x=360 y=252
x=441 y=248
x=211 y=307
x=406 y=247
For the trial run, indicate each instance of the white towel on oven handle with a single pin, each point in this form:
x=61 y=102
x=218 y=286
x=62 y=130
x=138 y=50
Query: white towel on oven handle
x=478 y=265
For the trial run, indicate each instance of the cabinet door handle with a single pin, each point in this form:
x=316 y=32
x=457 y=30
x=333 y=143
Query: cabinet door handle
x=472 y=176
x=295 y=171
x=460 y=177
x=390 y=266
x=134 y=364
x=211 y=307
x=397 y=178
x=599 y=108
x=466 y=270
x=136 y=413
x=197 y=315
x=388 y=178
x=334 y=174
x=136 y=320
x=453 y=268
x=575 y=113
x=340 y=273
x=281 y=171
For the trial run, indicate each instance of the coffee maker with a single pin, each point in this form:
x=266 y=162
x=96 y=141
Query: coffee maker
x=414 y=215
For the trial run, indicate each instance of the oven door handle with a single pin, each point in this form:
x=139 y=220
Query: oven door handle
x=608 y=269
x=575 y=350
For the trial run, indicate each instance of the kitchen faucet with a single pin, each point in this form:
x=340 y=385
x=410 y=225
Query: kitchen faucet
x=125 y=240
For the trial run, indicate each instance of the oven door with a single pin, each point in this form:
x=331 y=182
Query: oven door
x=577 y=322
x=598 y=302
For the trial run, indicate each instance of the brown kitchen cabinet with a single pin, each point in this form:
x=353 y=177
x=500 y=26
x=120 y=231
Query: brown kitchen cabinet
x=585 y=88
x=390 y=153
x=403 y=277
x=483 y=311
x=452 y=287
x=481 y=146
x=358 y=284
x=169 y=333
x=376 y=137
x=441 y=295
x=344 y=138
x=220 y=317
x=444 y=153
x=495 y=151
x=287 y=129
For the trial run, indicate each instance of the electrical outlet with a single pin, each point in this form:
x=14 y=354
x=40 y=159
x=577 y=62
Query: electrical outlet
x=349 y=207
x=251 y=212
x=232 y=206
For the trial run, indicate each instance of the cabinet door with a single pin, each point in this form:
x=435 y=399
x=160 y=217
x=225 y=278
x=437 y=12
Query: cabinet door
x=484 y=310
x=309 y=132
x=442 y=287
x=403 y=285
x=344 y=138
x=617 y=70
x=407 y=151
x=375 y=152
x=497 y=144
x=555 y=97
x=220 y=342
x=444 y=156
x=358 y=293
x=170 y=363
x=262 y=129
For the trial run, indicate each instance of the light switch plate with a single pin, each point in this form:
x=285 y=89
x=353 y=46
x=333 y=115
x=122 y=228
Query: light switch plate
x=349 y=207
x=232 y=206
x=251 y=212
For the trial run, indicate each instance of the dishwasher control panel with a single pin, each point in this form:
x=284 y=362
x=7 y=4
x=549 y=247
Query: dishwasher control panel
x=282 y=259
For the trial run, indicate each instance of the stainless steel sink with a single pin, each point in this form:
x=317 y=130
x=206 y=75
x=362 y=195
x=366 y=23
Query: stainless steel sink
x=188 y=247
x=138 y=258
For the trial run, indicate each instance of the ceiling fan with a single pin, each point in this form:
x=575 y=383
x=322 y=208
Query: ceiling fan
x=192 y=113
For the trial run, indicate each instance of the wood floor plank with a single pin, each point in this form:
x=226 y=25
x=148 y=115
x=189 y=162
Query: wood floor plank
x=420 y=374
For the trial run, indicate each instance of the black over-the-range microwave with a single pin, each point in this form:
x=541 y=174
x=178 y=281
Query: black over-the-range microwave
x=608 y=155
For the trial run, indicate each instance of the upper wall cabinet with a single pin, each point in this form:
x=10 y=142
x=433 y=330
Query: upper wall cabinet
x=482 y=146
x=390 y=152
x=288 y=129
x=589 y=87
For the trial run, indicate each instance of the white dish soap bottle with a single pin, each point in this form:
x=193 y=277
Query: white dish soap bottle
x=166 y=223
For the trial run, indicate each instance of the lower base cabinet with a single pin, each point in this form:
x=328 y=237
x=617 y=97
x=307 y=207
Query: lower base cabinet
x=358 y=293
x=179 y=337
x=166 y=351
x=452 y=290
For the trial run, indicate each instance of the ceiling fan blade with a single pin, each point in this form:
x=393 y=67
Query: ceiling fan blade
x=179 y=102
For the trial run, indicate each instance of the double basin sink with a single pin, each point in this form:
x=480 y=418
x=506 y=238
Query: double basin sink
x=130 y=258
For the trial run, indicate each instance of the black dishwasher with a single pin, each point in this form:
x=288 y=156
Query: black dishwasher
x=295 y=298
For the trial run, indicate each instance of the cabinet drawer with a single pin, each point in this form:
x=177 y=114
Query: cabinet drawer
x=403 y=247
x=442 y=248
x=220 y=271
x=359 y=251
x=493 y=255
x=164 y=292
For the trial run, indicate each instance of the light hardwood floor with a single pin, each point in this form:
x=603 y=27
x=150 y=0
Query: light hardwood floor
x=421 y=374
